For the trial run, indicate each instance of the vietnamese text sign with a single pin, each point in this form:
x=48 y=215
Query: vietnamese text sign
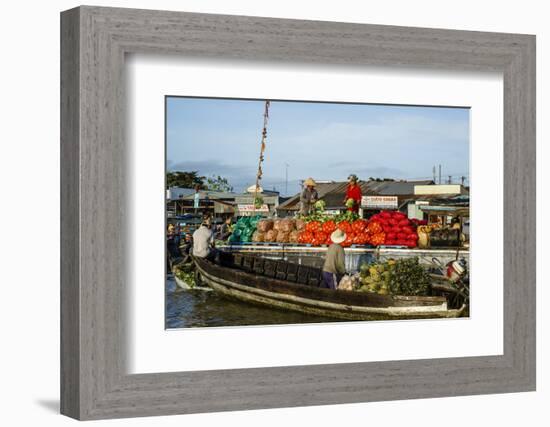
x=250 y=208
x=379 y=202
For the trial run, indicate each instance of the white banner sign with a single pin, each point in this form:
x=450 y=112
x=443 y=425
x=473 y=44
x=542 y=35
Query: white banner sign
x=379 y=202
x=250 y=208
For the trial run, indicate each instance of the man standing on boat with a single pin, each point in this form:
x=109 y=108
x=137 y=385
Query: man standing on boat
x=308 y=197
x=335 y=266
x=203 y=241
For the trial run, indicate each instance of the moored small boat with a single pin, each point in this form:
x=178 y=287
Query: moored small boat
x=297 y=289
x=186 y=286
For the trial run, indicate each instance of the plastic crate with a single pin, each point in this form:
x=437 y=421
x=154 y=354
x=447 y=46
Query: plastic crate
x=303 y=274
x=315 y=277
x=248 y=263
x=270 y=268
x=238 y=260
x=281 y=270
x=259 y=265
x=292 y=272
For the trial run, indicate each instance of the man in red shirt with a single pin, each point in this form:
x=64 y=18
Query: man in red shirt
x=353 y=194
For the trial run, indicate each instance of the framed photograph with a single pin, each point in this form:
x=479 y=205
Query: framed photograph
x=305 y=212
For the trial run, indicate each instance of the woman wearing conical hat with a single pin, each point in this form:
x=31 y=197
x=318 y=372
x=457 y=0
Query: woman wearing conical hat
x=308 y=196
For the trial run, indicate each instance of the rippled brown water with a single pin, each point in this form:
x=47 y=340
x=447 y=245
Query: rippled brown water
x=196 y=308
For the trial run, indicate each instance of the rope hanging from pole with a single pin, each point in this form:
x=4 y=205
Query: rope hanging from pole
x=257 y=202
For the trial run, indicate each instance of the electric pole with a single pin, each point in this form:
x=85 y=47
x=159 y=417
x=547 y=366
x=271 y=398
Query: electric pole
x=439 y=174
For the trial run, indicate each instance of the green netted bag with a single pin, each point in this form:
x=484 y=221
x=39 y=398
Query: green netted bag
x=254 y=221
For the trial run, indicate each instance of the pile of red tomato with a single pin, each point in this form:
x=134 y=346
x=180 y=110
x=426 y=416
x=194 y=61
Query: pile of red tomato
x=384 y=228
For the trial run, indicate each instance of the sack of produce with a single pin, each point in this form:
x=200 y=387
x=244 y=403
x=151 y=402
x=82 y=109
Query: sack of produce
x=271 y=236
x=313 y=226
x=329 y=226
x=378 y=239
x=299 y=224
x=293 y=236
x=407 y=230
x=258 y=236
x=361 y=239
x=349 y=240
x=282 y=237
x=305 y=237
x=348 y=283
x=345 y=226
x=319 y=238
x=286 y=225
x=359 y=225
x=277 y=224
x=265 y=225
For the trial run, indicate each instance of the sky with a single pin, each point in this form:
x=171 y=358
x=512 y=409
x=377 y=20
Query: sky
x=325 y=141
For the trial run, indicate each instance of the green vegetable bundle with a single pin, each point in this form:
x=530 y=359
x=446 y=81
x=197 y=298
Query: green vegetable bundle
x=408 y=277
x=186 y=274
x=244 y=228
x=321 y=216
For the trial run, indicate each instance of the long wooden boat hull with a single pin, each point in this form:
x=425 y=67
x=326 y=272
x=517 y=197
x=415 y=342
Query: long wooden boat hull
x=336 y=304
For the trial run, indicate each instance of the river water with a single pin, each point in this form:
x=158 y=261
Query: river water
x=198 y=308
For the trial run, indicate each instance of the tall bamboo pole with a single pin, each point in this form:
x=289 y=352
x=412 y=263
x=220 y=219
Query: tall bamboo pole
x=262 y=149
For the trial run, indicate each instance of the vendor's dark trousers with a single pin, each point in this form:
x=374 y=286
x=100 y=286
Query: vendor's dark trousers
x=330 y=280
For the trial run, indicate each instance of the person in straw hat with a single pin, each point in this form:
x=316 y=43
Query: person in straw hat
x=334 y=267
x=308 y=196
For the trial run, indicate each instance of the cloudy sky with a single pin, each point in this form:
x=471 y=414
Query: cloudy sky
x=326 y=141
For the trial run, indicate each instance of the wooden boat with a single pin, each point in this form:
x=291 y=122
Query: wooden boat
x=237 y=277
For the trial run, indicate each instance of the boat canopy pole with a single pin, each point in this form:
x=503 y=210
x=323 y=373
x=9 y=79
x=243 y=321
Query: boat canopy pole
x=261 y=159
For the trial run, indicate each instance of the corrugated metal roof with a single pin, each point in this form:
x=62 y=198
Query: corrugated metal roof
x=176 y=193
x=333 y=192
x=399 y=188
x=212 y=195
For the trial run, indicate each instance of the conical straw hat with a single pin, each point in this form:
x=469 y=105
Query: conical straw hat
x=338 y=236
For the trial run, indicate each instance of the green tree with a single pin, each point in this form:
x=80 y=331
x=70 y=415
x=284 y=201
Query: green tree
x=218 y=183
x=184 y=179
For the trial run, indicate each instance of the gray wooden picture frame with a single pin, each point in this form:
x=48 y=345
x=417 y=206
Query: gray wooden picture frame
x=94 y=41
